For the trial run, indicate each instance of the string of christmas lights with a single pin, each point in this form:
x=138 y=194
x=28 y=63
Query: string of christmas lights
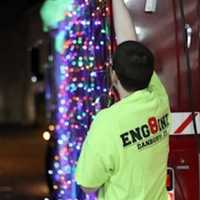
x=83 y=53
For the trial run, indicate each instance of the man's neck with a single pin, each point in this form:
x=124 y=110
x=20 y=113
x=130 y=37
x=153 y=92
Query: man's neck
x=122 y=92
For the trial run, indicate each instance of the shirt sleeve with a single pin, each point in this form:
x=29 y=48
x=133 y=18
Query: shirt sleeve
x=157 y=86
x=95 y=164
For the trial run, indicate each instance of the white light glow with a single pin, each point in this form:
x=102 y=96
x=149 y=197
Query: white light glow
x=34 y=79
x=138 y=30
x=46 y=135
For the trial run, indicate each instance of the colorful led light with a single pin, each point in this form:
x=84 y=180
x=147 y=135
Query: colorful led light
x=84 y=53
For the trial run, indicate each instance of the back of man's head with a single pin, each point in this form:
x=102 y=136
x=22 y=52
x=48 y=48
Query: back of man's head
x=134 y=65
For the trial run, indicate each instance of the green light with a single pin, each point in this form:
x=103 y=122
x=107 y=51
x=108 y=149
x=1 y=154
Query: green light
x=59 y=42
x=91 y=58
x=79 y=40
x=103 y=31
x=53 y=11
x=80 y=63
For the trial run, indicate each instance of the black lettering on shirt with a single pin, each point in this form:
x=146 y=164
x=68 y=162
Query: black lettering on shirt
x=145 y=131
x=135 y=134
x=125 y=139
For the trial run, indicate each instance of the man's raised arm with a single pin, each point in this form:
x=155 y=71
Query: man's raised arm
x=123 y=24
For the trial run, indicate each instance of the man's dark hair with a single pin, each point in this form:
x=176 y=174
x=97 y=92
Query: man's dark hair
x=134 y=65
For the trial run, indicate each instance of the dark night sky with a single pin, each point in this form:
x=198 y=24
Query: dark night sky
x=12 y=10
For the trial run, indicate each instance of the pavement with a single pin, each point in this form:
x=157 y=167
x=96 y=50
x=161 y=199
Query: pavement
x=22 y=164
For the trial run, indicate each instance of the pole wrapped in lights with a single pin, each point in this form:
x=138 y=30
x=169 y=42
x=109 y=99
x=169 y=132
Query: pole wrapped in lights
x=82 y=55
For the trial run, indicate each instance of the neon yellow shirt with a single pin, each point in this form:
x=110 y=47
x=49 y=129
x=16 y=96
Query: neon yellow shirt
x=126 y=150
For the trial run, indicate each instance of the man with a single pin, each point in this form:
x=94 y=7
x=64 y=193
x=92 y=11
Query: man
x=125 y=153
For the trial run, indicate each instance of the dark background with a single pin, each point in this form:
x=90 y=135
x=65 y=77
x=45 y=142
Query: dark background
x=23 y=54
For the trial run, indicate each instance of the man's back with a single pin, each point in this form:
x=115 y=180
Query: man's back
x=130 y=140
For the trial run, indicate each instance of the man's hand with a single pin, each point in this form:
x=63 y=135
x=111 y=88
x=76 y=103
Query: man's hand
x=124 y=26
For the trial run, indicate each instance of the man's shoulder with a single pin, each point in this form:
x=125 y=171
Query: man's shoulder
x=102 y=126
x=104 y=114
x=110 y=111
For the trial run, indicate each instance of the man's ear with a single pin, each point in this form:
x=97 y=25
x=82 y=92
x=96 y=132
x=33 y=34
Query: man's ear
x=114 y=77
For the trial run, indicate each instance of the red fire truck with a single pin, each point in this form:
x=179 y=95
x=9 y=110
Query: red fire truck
x=172 y=30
